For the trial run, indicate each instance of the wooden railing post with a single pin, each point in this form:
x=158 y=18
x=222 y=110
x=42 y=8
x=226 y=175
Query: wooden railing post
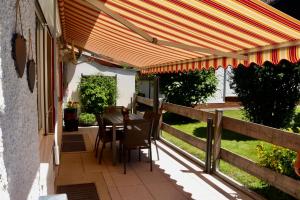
x=133 y=103
x=208 y=155
x=217 y=139
x=156 y=95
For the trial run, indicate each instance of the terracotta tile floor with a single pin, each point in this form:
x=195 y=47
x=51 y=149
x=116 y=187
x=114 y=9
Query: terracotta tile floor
x=173 y=177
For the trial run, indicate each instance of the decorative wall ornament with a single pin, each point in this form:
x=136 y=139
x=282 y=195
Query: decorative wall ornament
x=19 y=44
x=30 y=66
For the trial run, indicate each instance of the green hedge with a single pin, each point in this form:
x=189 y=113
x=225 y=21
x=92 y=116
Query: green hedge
x=97 y=92
x=87 y=119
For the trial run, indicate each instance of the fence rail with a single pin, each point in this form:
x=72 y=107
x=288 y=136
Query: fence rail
x=253 y=130
x=265 y=133
x=285 y=183
x=188 y=112
x=143 y=100
x=196 y=142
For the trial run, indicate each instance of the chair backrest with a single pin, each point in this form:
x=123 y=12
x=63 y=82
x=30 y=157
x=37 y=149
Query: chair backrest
x=155 y=125
x=154 y=117
x=101 y=129
x=111 y=109
x=137 y=132
x=148 y=115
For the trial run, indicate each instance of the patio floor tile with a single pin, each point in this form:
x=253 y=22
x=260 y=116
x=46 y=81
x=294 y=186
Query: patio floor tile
x=173 y=176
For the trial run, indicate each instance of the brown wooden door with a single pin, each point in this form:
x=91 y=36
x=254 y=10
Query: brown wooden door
x=49 y=80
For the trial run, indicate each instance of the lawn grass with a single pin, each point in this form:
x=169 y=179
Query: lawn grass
x=237 y=143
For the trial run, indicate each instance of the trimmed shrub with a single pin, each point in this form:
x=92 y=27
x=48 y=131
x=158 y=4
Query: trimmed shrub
x=97 y=92
x=269 y=93
x=87 y=119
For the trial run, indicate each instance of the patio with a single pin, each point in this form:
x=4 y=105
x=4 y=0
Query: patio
x=173 y=176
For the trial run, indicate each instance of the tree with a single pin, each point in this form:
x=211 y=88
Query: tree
x=269 y=93
x=188 y=88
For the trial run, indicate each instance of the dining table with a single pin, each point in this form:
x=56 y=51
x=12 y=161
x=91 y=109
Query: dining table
x=116 y=120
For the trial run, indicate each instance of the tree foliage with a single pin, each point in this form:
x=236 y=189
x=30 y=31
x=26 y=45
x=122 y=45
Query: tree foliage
x=269 y=93
x=97 y=92
x=188 y=88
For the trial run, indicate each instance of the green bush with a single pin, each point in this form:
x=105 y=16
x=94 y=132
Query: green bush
x=269 y=93
x=97 y=92
x=279 y=159
x=188 y=88
x=87 y=119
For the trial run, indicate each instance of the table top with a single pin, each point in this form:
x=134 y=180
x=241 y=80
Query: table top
x=116 y=118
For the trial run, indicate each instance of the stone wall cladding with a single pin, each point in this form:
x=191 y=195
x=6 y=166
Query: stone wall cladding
x=18 y=110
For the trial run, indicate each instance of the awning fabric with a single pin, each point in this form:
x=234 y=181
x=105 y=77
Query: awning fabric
x=248 y=27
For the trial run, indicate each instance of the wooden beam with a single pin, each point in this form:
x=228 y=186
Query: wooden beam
x=202 y=50
x=101 y=7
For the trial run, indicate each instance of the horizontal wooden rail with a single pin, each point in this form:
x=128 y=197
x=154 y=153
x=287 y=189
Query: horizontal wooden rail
x=188 y=112
x=265 y=133
x=144 y=100
x=196 y=142
x=282 y=182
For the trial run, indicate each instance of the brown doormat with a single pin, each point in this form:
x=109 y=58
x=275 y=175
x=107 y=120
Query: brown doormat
x=71 y=143
x=85 y=191
x=72 y=138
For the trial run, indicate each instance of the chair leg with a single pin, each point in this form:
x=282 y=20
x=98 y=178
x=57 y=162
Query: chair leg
x=156 y=149
x=129 y=155
x=120 y=152
x=124 y=159
x=96 y=148
x=101 y=153
x=139 y=154
x=96 y=142
x=150 y=157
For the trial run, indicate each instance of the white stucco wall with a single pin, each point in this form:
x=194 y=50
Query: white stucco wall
x=125 y=79
x=229 y=91
x=19 y=146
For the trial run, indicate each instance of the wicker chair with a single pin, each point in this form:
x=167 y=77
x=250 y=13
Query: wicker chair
x=111 y=109
x=150 y=115
x=105 y=136
x=137 y=135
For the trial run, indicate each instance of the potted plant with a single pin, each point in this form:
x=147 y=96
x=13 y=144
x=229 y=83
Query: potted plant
x=70 y=116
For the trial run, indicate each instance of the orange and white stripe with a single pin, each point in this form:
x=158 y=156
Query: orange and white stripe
x=235 y=26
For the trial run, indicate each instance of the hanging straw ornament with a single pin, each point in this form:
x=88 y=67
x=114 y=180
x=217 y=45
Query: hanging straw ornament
x=19 y=44
x=30 y=66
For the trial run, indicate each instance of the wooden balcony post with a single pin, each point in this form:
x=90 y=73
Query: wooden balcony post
x=133 y=103
x=208 y=155
x=217 y=139
x=156 y=95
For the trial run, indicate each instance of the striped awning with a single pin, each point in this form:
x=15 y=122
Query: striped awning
x=240 y=27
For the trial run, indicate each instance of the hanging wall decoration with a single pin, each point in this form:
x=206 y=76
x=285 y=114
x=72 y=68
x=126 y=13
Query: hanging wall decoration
x=19 y=44
x=30 y=66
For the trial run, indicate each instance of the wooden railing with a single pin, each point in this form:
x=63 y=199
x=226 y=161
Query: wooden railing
x=257 y=131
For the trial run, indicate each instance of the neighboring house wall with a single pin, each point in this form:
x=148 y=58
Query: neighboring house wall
x=218 y=96
x=19 y=144
x=229 y=91
x=125 y=79
x=146 y=87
